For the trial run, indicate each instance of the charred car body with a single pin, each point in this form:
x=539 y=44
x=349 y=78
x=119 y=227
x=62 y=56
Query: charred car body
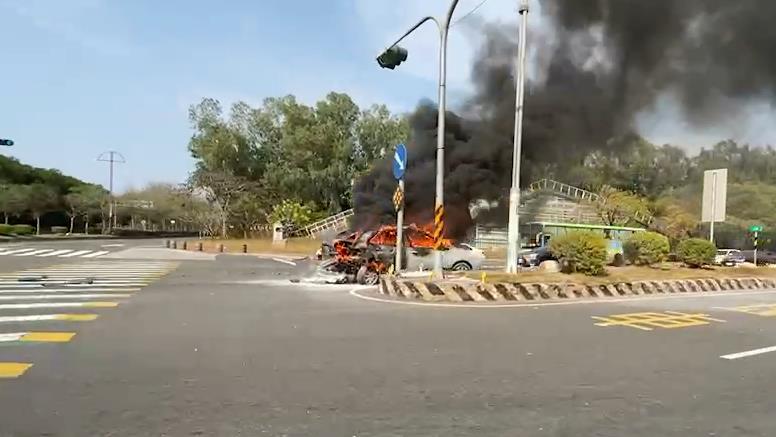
x=363 y=256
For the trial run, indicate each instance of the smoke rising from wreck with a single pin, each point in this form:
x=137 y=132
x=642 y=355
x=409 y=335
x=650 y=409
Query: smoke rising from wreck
x=601 y=63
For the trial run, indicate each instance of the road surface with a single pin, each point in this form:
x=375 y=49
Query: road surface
x=230 y=347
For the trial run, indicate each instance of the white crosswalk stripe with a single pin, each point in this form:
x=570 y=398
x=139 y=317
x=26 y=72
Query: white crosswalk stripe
x=29 y=294
x=47 y=252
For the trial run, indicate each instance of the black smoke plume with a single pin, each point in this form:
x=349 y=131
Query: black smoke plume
x=601 y=63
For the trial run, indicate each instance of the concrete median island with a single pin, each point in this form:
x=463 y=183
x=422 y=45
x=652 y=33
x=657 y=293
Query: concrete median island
x=469 y=290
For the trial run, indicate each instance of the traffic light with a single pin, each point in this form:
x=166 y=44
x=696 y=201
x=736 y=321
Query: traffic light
x=5 y=142
x=392 y=57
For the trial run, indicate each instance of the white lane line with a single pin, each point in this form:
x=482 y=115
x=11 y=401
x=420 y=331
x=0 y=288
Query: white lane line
x=96 y=254
x=11 y=336
x=753 y=352
x=76 y=253
x=12 y=252
x=47 y=317
x=44 y=285
x=113 y=245
x=57 y=252
x=66 y=290
x=66 y=296
x=34 y=252
x=20 y=306
x=284 y=261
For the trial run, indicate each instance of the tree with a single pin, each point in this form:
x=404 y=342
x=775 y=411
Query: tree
x=13 y=200
x=248 y=211
x=617 y=208
x=291 y=213
x=83 y=201
x=220 y=189
x=42 y=199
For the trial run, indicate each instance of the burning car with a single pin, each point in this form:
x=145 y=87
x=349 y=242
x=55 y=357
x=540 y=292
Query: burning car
x=364 y=256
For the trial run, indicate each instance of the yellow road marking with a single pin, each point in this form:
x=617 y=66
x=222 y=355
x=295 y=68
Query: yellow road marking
x=51 y=337
x=101 y=304
x=764 y=310
x=77 y=317
x=648 y=320
x=13 y=370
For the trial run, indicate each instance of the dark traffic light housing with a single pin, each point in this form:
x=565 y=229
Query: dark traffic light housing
x=392 y=57
x=5 y=142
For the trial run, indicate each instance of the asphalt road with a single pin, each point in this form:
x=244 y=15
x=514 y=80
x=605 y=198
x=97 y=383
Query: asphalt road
x=230 y=348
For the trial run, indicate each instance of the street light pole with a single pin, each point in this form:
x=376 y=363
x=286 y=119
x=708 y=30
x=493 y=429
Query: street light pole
x=513 y=234
x=111 y=157
x=439 y=202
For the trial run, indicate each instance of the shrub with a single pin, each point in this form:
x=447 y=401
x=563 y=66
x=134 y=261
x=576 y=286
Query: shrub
x=23 y=229
x=6 y=229
x=696 y=252
x=59 y=229
x=646 y=248
x=580 y=251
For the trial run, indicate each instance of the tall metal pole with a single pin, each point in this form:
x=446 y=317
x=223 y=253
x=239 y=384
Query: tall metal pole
x=112 y=157
x=513 y=234
x=439 y=202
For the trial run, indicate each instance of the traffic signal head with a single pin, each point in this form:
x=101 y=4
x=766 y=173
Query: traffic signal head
x=392 y=57
x=4 y=142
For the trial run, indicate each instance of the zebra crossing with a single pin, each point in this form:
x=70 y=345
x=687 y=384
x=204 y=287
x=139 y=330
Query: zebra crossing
x=45 y=253
x=64 y=295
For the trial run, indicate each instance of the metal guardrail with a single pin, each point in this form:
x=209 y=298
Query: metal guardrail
x=579 y=193
x=336 y=222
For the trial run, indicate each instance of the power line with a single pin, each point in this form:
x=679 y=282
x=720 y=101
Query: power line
x=466 y=15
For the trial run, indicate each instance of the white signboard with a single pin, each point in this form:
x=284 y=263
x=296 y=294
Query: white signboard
x=714 y=195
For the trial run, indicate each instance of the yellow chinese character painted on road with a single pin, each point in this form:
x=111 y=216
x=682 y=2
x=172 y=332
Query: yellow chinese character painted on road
x=765 y=309
x=648 y=321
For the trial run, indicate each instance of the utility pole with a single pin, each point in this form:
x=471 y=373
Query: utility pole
x=513 y=230
x=111 y=157
x=392 y=57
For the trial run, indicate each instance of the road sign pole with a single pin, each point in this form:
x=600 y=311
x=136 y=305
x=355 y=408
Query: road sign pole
x=755 y=248
x=713 y=206
x=399 y=231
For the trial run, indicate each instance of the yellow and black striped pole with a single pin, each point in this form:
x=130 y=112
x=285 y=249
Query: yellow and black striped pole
x=439 y=226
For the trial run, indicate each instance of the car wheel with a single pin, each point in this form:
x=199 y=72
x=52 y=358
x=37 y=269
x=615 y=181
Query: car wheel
x=364 y=276
x=461 y=266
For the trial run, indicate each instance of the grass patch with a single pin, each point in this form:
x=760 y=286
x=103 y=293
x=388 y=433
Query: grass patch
x=293 y=246
x=666 y=271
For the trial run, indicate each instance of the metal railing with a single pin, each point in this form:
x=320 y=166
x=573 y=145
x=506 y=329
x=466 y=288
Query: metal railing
x=336 y=222
x=579 y=193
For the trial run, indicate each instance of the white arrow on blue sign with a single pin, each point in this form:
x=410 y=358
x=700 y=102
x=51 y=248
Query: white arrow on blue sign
x=399 y=161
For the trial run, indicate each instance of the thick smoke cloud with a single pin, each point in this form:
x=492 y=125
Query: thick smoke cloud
x=609 y=61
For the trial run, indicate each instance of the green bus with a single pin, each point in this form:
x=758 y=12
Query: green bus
x=539 y=234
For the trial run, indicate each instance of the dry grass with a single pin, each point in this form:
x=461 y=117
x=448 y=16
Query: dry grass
x=630 y=273
x=293 y=246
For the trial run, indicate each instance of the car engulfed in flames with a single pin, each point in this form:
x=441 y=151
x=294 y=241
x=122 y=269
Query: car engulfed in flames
x=363 y=256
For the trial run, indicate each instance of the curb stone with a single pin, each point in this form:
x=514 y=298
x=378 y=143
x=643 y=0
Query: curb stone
x=477 y=292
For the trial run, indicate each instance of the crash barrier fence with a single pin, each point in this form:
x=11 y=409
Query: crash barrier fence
x=337 y=222
x=534 y=292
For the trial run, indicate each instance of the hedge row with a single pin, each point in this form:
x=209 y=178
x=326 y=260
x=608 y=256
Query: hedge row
x=585 y=251
x=16 y=229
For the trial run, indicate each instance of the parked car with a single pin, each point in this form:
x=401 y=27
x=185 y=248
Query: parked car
x=764 y=256
x=728 y=257
x=534 y=257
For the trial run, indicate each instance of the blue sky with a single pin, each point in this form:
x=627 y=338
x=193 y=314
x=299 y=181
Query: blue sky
x=83 y=76
x=80 y=77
